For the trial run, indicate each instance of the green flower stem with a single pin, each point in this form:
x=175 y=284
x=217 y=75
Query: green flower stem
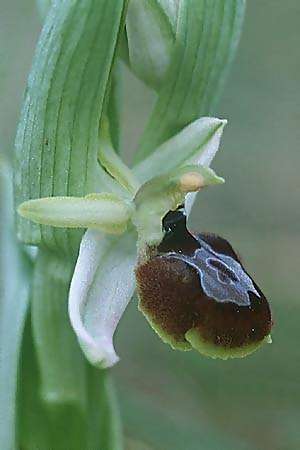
x=104 y=413
x=206 y=40
x=60 y=360
x=59 y=427
x=33 y=427
x=45 y=426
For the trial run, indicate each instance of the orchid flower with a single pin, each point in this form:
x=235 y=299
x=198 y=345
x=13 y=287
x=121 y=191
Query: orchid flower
x=125 y=208
x=121 y=227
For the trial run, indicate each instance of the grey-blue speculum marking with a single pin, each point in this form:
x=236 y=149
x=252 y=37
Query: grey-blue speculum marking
x=222 y=278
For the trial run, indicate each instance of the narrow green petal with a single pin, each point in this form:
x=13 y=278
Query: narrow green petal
x=114 y=164
x=104 y=211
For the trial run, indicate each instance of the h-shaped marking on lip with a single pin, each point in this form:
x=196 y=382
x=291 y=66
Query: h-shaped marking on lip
x=222 y=277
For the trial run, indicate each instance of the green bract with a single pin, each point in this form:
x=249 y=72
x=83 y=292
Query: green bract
x=58 y=137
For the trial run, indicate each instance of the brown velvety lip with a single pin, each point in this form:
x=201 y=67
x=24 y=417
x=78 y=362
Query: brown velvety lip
x=171 y=294
x=172 y=297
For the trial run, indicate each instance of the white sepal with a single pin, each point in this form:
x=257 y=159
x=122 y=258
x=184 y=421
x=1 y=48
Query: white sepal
x=102 y=285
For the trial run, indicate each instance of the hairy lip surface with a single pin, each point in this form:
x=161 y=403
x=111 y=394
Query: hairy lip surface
x=173 y=295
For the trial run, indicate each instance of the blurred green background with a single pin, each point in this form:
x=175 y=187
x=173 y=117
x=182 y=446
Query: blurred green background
x=182 y=401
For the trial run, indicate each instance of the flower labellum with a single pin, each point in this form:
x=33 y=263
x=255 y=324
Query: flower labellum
x=195 y=292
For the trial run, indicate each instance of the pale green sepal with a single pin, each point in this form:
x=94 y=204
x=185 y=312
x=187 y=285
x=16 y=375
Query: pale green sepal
x=164 y=193
x=114 y=165
x=196 y=143
x=150 y=40
x=214 y=351
x=102 y=285
x=103 y=211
